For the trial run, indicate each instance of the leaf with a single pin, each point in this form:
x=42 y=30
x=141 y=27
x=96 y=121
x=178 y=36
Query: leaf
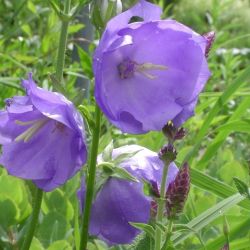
x=142 y=242
x=122 y=173
x=107 y=152
x=215 y=186
x=207 y=217
x=161 y=226
x=53 y=227
x=36 y=244
x=235 y=233
x=119 y=159
x=231 y=89
x=75 y=28
x=86 y=114
x=242 y=187
x=8 y=213
x=235 y=126
x=61 y=244
x=10 y=82
x=57 y=201
x=222 y=135
x=86 y=62
x=148 y=229
x=239 y=244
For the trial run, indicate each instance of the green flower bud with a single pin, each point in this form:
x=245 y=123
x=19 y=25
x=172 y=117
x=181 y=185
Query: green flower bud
x=103 y=10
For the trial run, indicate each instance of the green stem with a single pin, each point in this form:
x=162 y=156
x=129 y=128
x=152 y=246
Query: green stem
x=62 y=43
x=90 y=180
x=161 y=203
x=169 y=233
x=34 y=219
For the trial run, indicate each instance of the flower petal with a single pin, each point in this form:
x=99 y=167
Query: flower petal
x=53 y=105
x=42 y=159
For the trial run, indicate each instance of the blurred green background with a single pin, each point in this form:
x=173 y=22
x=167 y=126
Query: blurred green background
x=29 y=31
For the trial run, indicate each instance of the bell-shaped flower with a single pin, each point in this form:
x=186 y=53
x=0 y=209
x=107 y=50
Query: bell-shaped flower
x=121 y=201
x=149 y=72
x=42 y=137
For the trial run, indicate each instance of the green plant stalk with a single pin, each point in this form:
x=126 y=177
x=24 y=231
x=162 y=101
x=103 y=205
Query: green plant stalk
x=169 y=233
x=90 y=180
x=62 y=43
x=37 y=201
x=161 y=203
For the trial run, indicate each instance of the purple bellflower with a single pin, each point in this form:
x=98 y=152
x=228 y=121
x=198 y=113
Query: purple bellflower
x=120 y=201
x=42 y=137
x=149 y=72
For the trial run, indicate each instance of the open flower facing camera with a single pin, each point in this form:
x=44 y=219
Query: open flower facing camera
x=149 y=72
x=42 y=137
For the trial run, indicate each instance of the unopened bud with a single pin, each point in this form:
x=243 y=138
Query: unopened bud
x=103 y=10
x=173 y=133
x=210 y=36
x=177 y=192
x=167 y=153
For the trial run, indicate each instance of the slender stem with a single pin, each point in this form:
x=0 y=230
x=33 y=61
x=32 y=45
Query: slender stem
x=62 y=44
x=90 y=180
x=169 y=233
x=37 y=201
x=161 y=203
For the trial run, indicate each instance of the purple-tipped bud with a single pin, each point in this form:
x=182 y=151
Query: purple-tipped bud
x=167 y=153
x=173 y=133
x=177 y=192
x=210 y=36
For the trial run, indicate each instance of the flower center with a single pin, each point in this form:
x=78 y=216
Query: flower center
x=31 y=131
x=127 y=68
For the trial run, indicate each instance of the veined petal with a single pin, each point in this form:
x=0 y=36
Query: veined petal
x=41 y=158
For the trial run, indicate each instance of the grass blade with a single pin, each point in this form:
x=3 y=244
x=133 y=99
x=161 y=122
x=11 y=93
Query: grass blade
x=208 y=216
x=231 y=89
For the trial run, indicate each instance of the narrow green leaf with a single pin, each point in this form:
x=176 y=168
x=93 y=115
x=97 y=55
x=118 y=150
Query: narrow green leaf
x=235 y=126
x=107 y=152
x=231 y=89
x=240 y=244
x=145 y=228
x=208 y=216
x=214 y=186
x=122 y=173
x=222 y=135
x=86 y=114
x=235 y=233
x=124 y=156
x=141 y=242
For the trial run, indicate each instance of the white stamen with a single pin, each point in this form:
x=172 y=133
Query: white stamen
x=21 y=123
x=149 y=66
x=27 y=134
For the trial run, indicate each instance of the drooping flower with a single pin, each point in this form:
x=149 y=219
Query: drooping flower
x=149 y=72
x=120 y=201
x=42 y=137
